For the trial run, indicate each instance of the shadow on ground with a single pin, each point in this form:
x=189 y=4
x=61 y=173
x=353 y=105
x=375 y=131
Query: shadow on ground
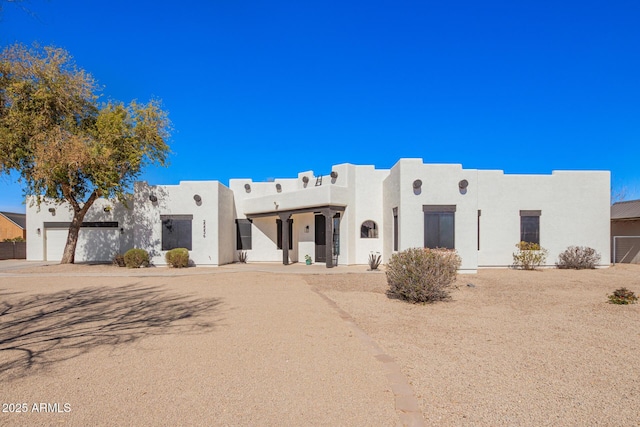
x=40 y=330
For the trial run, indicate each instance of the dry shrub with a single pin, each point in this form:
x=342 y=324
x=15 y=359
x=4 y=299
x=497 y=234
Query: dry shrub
x=529 y=256
x=136 y=258
x=422 y=275
x=578 y=257
x=177 y=258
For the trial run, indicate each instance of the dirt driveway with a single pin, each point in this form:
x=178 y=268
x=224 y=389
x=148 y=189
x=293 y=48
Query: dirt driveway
x=205 y=349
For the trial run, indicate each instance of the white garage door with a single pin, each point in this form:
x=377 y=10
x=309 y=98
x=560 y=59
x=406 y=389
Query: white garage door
x=54 y=243
x=94 y=244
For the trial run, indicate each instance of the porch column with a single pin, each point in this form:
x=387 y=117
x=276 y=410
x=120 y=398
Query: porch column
x=285 y=237
x=328 y=236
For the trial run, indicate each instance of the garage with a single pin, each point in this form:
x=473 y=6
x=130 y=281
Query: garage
x=97 y=241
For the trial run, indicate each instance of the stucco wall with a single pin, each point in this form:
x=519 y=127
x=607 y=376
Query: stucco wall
x=179 y=200
x=367 y=205
x=574 y=211
x=439 y=187
x=391 y=200
x=226 y=229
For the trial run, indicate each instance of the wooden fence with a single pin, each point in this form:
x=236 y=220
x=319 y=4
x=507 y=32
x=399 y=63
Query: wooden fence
x=13 y=250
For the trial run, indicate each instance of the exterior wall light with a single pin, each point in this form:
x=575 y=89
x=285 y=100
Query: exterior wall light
x=463 y=184
x=334 y=174
x=279 y=188
x=417 y=184
x=53 y=211
x=306 y=229
x=247 y=188
x=153 y=198
x=38 y=231
x=107 y=209
x=121 y=230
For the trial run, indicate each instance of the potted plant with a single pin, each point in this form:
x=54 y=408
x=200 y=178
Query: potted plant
x=307 y=259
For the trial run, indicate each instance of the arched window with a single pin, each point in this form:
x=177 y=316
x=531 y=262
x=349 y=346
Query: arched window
x=369 y=230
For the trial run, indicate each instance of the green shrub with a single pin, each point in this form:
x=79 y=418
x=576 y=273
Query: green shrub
x=422 y=275
x=529 y=256
x=578 y=257
x=118 y=260
x=136 y=258
x=177 y=258
x=623 y=296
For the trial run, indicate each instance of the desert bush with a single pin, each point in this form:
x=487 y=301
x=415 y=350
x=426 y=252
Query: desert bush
x=242 y=257
x=118 y=260
x=374 y=260
x=623 y=296
x=177 y=258
x=578 y=258
x=422 y=275
x=529 y=256
x=136 y=258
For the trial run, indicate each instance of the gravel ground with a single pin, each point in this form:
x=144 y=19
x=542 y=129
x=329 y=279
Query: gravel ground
x=521 y=348
x=213 y=347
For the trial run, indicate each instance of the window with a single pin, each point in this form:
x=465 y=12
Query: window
x=479 y=214
x=176 y=231
x=243 y=234
x=279 y=224
x=369 y=230
x=336 y=234
x=530 y=226
x=395 y=229
x=439 y=226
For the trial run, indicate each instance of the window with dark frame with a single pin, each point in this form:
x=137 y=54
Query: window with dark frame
x=395 y=229
x=243 y=234
x=530 y=226
x=176 y=231
x=279 y=233
x=336 y=234
x=439 y=226
x=479 y=215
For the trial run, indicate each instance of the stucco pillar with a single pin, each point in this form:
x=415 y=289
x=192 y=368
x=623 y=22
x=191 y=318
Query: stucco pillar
x=285 y=237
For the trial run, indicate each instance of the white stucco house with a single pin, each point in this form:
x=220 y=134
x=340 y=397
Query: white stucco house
x=342 y=217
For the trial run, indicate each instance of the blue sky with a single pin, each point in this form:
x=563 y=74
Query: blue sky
x=261 y=89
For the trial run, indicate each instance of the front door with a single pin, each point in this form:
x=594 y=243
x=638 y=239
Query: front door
x=321 y=241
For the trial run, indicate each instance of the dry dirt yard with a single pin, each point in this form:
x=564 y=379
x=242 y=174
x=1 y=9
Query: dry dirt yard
x=222 y=347
x=521 y=348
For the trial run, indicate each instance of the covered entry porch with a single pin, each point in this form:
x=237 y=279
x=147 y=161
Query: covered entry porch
x=326 y=230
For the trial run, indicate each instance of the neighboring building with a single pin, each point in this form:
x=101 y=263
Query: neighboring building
x=625 y=232
x=342 y=217
x=12 y=225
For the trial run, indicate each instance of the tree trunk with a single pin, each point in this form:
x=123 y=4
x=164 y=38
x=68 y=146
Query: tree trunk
x=69 y=254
